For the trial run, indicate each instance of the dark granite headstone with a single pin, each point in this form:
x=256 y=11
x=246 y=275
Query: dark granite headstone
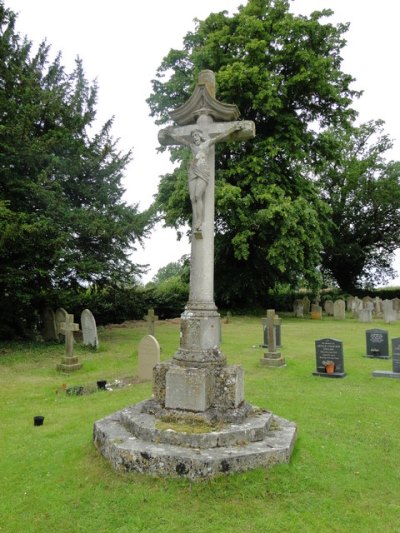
x=395 y=362
x=396 y=354
x=327 y=351
x=377 y=343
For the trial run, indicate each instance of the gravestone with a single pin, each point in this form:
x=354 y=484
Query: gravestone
x=197 y=385
x=89 y=329
x=329 y=351
x=298 y=309
x=306 y=305
x=61 y=317
x=368 y=303
x=328 y=307
x=49 y=328
x=69 y=363
x=395 y=373
x=339 y=310
x=148 y=357
x=365 y=315
x=377 y=343
x=272 y=358
x=389 y=316
x=349 y=303
x=396 y=304
x=277 y=329
x=378 y=308
x=151 y=319
x=357 y=307
x=316 y=312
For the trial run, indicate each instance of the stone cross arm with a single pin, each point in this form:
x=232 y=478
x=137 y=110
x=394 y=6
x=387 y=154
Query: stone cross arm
x=243 y=129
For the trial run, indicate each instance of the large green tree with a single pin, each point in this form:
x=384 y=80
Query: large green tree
x=363 y=191
x=284 y=73
x=63 y=222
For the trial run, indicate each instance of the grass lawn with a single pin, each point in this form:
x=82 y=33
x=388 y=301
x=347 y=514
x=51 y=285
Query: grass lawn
x=344 y=475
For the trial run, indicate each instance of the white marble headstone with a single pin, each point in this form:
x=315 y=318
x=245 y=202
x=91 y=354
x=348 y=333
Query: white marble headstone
x=89 y=329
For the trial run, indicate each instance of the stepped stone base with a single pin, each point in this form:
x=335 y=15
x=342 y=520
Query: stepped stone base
x=272 y=359
x=132 y=441
x=69 y=364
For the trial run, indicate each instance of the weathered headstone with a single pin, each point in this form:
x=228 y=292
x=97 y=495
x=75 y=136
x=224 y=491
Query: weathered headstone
x=364 y=315
x=89 y=329
x=368 y=303
x=328 y=307
x=395 y=373
x=197 y=384
x=298 y=308
x=339 y=310
x=377 y=343
x=316 y=312
x=330 y=359
x=396 y=304
x=306 y=305
x=349 y=303
x=148 y=357
x=357 y=307
x=151 y=319
x=272 y=358
x=378 y=309
x=69 y=363
x=61 y=317
x=49 y=328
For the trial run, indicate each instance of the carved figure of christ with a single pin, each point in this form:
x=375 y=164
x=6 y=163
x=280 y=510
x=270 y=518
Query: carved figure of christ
x=201 y=139
x=199 y=169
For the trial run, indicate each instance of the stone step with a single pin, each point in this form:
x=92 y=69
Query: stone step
x=127 y=452
x=144 y=426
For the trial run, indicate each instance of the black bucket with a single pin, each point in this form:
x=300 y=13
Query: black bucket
x=38 y=420
x=101 y=385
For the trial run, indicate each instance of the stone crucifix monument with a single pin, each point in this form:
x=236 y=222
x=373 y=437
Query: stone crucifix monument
x=196 y=386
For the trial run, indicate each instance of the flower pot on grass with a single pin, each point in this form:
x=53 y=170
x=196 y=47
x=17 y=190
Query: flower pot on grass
x=38 y=420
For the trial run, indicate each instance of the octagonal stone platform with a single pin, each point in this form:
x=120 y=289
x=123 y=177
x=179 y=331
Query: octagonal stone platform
x=132 y=442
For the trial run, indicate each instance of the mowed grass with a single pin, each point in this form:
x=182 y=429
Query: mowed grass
x=344 y=475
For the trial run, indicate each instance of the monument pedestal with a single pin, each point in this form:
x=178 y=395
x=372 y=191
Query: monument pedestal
x=69 y=364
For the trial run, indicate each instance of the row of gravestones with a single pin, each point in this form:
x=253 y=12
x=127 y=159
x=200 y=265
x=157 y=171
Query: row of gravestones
x=363 y=309
x=52 y=326
x=330 y=357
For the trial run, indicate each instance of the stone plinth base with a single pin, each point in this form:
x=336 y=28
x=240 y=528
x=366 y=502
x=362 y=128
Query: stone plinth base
x=332 y=375
x=377 y=356
x=385 y=374
x=215 y=391
x=69 y=364
x=272 y=359
x=133 y=441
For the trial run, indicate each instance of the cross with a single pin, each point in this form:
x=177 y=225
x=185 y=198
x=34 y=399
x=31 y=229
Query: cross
x=151 y=318
x=202 y=122
x=67 y=329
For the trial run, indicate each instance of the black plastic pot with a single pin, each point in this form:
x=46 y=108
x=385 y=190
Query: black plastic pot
x=101 y=385
x=38 y=420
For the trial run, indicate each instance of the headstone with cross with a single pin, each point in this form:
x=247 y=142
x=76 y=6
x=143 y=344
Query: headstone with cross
x=272 y=358
x=69 y=362
x=151 y=318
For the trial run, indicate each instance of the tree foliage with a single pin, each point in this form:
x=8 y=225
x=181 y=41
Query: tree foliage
x=363 y=191
x=63 y=223
x=284 y=73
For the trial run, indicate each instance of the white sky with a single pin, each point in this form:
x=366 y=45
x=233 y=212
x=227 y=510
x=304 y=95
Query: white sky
x=123 y=42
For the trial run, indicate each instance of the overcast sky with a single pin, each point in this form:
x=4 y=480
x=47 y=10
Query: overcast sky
x=123 y=42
